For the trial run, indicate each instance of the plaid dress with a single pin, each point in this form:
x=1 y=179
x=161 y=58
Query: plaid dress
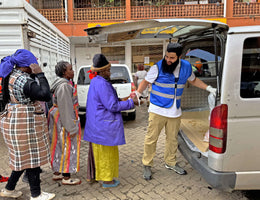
x=24 y=127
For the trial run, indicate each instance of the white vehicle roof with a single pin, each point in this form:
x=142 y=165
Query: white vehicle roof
x=244 y=29
x=112 y=65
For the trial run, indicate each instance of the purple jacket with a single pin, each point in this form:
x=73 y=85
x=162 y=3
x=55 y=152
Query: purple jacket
x=104 y=123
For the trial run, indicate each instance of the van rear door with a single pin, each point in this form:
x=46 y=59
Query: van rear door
x=161 y=28
x=240 y=94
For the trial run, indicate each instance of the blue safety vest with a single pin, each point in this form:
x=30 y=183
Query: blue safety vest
x=166 y=87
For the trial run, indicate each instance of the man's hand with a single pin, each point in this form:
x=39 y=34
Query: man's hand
x=35 y=68
x=211 y=90
x=136 y=98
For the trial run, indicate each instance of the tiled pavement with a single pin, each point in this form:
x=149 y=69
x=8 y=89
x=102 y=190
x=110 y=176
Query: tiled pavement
x=165 y=184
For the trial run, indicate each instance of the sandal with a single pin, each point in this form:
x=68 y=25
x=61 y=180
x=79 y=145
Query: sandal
x=71 y=181
x=3 y=179
x=115 y=184
x=57 y=177
x=90 y=181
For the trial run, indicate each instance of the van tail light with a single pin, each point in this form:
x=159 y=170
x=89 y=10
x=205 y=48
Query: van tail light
x=133 y=88
x=218 y=129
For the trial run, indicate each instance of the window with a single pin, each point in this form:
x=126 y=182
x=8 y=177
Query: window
x=83 y=78
x=82 y=3
x=250 y=74
x=47 y=4
x=119 y=74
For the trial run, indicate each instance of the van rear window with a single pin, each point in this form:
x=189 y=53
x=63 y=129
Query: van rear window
x=119 y=74
x=83 y=78
x=250 y=74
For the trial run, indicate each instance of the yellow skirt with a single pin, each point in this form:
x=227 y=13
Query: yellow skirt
x=106 y=162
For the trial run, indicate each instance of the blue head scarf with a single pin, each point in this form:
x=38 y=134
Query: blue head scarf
x=21 y=58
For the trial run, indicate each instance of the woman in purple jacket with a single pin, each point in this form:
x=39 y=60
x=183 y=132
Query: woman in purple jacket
x=104 y=124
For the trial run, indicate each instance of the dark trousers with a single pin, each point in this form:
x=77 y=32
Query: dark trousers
x=33 y=177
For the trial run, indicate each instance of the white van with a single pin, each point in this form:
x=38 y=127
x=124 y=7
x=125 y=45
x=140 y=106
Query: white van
x=231 y=158
x=121 y=80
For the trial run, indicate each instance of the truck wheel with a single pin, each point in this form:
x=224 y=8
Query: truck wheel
x=132 y=115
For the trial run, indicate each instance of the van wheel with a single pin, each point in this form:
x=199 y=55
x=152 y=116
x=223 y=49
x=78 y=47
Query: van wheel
x=82 y=119
x=132 y=116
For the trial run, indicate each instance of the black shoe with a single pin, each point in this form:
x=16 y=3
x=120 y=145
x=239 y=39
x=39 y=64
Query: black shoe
x=147 y=173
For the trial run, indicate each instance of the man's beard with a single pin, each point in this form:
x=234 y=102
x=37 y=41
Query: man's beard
x=169 y=68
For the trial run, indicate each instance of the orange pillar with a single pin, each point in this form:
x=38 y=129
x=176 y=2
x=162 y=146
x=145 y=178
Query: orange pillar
x=128 y=10
x=70 y=11
x=229 y=8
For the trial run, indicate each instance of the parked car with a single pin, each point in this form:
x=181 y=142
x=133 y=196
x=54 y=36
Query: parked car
x=121 y=80
x=231 y=159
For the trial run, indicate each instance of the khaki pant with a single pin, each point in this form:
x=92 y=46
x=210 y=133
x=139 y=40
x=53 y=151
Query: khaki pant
x=156 y=124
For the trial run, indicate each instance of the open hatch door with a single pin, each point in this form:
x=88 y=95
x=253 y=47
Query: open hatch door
x=154 y=28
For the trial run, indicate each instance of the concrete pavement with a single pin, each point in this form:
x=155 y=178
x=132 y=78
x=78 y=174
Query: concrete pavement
x=165 y=184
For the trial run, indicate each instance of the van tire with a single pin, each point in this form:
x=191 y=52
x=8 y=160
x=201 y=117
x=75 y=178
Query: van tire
x=82 y=119
x=132 y=116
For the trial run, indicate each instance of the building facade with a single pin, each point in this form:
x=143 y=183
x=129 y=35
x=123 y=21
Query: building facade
x=73 y=16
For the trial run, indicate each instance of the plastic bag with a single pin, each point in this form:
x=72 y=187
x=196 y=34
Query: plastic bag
x=211 y=101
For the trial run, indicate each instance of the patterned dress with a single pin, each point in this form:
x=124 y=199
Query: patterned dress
x=24 y=127
x=65 y=151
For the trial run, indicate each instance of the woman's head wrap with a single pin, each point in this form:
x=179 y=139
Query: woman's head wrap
x=21 y=58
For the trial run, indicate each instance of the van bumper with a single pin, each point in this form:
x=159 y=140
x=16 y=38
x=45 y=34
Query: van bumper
x=82 y=111
x=128 y=111
x=219 y=180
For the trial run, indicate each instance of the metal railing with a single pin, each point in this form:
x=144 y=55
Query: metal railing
x=182 y=11
x=54 y=15
x=243 y=9
x=97 y=14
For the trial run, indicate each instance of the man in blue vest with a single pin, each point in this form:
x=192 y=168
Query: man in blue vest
x=168 y=78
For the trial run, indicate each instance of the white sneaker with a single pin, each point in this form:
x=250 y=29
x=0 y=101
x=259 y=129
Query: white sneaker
x=71 y=181
x=57 y=177
x=44 y=196
x=10 y=193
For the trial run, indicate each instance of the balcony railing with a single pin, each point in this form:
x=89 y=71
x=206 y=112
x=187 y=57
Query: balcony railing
x=151 y=12
x=98 y=14
x=54 y=15
x=182 y=11
x=245 y=9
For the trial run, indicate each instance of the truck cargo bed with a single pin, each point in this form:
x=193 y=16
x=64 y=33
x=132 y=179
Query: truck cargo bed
x=195 y=124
